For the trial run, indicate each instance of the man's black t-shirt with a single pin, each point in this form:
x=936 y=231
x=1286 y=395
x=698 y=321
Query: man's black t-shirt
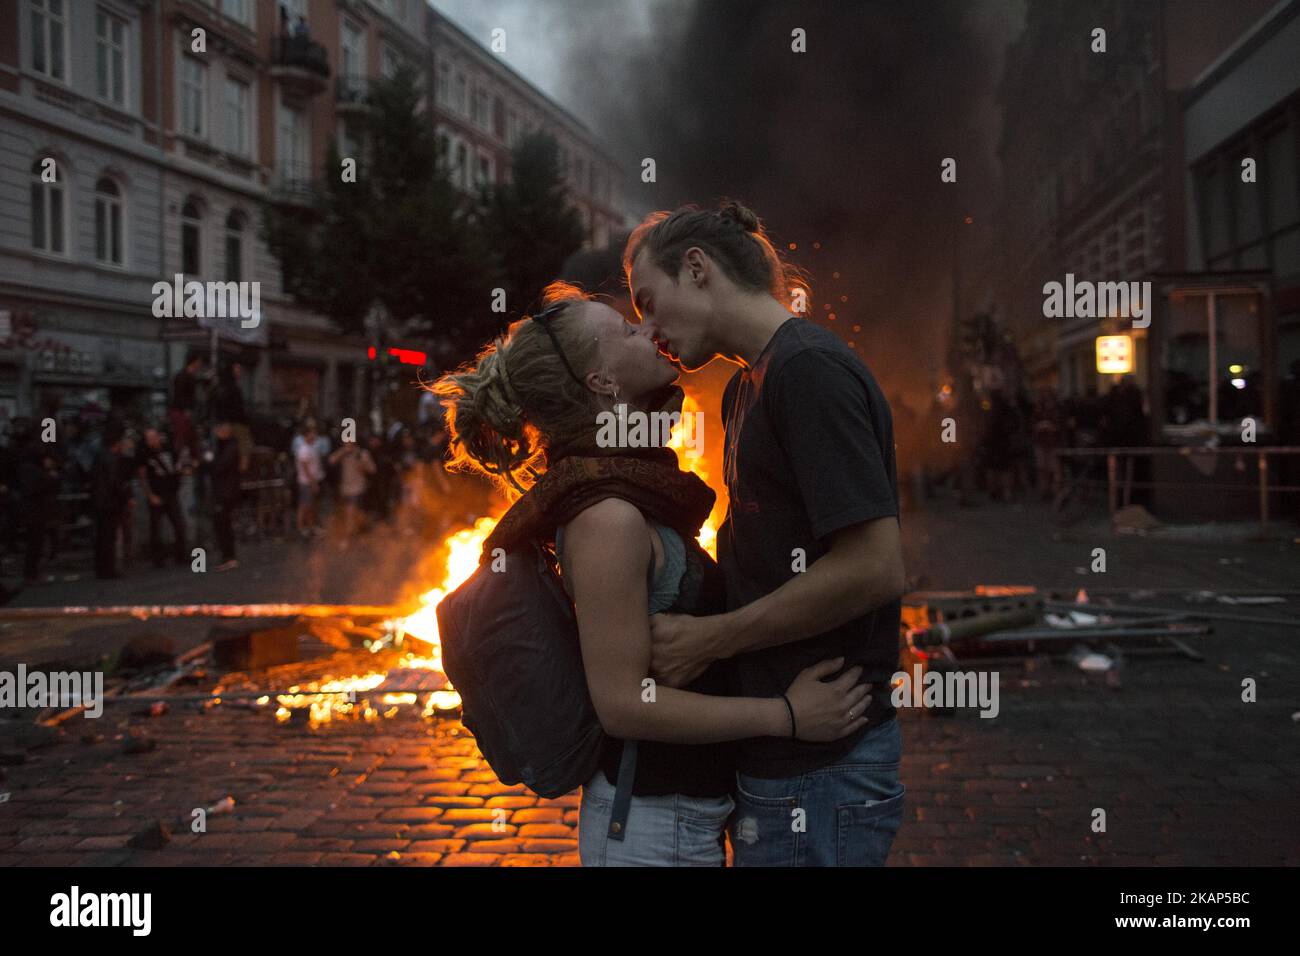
x=809 y=450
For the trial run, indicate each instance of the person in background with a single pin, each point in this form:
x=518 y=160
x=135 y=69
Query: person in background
x=12 y=453
x=379 y=494
x=225 y=493
x=185 y=396
x=228 y=406
x=355 y=468
x=39 y=481
x=126 y=459
x=110 y=493
x=160 y=475
x=309 y=459
x=1047 y=439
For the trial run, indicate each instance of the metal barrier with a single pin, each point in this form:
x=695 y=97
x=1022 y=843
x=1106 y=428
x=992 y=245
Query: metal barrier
x=1113 y=483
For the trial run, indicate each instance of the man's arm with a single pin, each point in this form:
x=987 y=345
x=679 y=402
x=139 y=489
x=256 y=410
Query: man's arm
x=862 y=571
x=818 y=405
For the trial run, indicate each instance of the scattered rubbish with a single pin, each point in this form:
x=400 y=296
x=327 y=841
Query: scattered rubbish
x=153 y=837
x=1253 y=599
x=224 y=805
x=156 y=709
x=1166 y=612
x=132 y=744
x=1134 y=519
x=1071 y=619
x=1048 y=634
x=1199 y=597
x=1081 y=597
x=1295 y=718
x=1232 y=560
x=92 y=738
x=1089 y=661
x=974 y=625
x=254 y=648
x=146 y=652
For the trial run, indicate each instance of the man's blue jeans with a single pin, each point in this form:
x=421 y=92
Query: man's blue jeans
x=851 y=810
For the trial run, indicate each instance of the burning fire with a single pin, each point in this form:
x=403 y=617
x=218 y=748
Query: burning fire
x=463 y=549
x=708 y=536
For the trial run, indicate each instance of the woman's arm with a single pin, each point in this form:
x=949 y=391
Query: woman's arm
x=607 y=550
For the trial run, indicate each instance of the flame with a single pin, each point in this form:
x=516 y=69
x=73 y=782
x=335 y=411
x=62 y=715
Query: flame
x=708 y=536
x=463 y=549
x=333 y=698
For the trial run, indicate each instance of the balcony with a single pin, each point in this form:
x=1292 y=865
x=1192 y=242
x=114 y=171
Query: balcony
x=352 y=93
x=300 y=63
x=294 y=184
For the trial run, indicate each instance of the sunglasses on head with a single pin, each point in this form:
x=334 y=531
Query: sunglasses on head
x=544 y=319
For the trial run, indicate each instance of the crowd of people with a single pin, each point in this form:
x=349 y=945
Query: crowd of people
x=1011 y=450
x=205 y=479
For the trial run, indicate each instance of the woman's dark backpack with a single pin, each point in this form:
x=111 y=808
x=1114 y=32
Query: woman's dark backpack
x=510 y=646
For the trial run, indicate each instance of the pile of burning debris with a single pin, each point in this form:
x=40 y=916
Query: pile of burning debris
x=307 y=663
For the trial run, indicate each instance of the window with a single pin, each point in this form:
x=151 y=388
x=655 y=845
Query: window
x=1280 y=174
x=389 y=61
x=1213 y=369
x=191 y=237
x=235 y=223
x=194 y=87
x=49 y=38
x=48 y=208
x=238 y=98
x=349 y=136
x=462 y=95
x=483 y=172
x=110 y=58
x=443 y=92
x=108 y=222
x=292 y=146
x=237 y=10
x=460 y=171
x=352 y=49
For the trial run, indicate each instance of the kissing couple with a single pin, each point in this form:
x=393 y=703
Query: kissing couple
x=750 y=696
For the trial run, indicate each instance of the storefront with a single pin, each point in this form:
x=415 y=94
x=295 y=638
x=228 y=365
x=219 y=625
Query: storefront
x=55 y=371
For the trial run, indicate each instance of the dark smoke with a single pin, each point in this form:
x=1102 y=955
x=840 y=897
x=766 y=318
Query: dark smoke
x=840 y=145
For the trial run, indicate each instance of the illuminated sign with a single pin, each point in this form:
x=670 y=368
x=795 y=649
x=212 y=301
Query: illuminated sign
x=1114 y=354
x=405 y=356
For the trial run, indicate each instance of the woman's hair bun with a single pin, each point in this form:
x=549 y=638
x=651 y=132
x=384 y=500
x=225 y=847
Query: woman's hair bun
x=730 y=209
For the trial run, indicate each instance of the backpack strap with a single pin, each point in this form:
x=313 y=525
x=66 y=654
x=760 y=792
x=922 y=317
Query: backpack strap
x=623 y=791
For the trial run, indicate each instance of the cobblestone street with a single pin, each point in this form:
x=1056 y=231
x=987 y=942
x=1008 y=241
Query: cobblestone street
x=1186 y=772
